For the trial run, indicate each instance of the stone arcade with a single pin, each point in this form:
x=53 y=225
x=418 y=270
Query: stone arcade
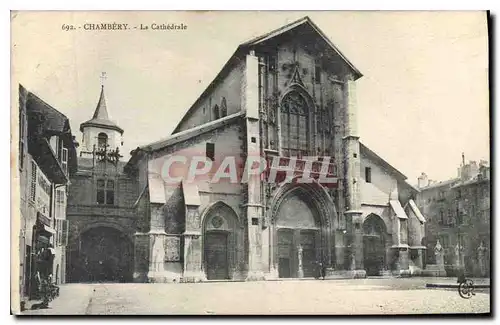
x=289 y=93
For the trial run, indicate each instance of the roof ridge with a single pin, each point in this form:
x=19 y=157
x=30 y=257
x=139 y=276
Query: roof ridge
x=257 y=38
x=190 y=132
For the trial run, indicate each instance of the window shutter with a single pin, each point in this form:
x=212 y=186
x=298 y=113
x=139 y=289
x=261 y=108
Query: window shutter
x=33 y=181
x=64 y=160
x=65 y=232
x=22 y=145
x=58 y=232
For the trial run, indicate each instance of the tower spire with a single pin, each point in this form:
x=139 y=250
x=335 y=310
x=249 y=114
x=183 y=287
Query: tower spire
x=101 y=111
x=101 y=118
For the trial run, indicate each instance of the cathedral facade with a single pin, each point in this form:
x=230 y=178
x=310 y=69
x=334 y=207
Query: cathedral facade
x=288 y=100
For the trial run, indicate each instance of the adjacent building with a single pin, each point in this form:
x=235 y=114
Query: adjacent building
x=47 y=158
x=458 y=215
x=101 y=210
x=287 y=97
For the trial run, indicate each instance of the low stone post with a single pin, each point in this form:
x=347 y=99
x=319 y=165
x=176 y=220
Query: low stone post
x=439 y=252
x=481 y=259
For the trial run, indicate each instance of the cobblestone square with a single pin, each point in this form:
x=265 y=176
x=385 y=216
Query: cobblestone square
x=312 y=297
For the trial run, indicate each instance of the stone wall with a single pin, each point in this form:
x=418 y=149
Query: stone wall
x=229 y=88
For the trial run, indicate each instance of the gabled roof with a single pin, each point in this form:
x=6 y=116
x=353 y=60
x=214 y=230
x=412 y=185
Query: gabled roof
x=364 y=149
x=53 y=121
x=45 y=121
x=243 y=48
x=301 y=22
x=101 y=116
x=190 y=133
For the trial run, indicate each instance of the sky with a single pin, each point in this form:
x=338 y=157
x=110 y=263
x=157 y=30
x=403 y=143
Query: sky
x=422 y=101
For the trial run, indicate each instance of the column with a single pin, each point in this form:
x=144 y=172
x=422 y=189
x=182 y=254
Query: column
x=351 y=175
x=157 y=234
x=254 y=207
x=273 y=253
x=193 y=259
x=141 y=257
x=340 y=250
x=300 y=269
x=157 y=257
x=193 y=254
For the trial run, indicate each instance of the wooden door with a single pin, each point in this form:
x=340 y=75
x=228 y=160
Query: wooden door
x=216 y=256
x=374 y=254
x=308 y=243
x=285 y=258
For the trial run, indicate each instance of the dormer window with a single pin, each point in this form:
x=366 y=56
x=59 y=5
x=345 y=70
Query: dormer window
x=102 y=140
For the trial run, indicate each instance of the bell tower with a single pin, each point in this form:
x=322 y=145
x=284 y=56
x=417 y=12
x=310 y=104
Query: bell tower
x=100 y=132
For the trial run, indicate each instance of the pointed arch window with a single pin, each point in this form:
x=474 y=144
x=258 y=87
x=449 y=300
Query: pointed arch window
x=102 y=140
x=223 y=107
x=216 y=112
x=294 y=125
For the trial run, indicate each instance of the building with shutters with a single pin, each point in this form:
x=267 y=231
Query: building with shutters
x=289 y=97
x=47 y=158
x=458 y=215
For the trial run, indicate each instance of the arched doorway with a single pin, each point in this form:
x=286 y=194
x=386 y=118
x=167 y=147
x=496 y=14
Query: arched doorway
x=220 y=240
x=374 y=240
x=106 y=255
x=300 y=237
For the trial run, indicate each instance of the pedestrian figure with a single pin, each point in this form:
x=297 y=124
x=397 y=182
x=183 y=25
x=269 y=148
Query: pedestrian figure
x=46 y=289
x=323 y=270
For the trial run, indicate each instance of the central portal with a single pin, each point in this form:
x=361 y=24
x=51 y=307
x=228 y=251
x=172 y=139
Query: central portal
x=298 y=237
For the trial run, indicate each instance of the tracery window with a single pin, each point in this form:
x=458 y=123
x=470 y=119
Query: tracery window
x=294 y=125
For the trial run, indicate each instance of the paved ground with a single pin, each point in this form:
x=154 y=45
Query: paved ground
x=360 y=296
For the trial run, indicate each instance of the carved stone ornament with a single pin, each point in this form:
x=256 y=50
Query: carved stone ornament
x=217 y=221
x=438 y=248
x=272 y=114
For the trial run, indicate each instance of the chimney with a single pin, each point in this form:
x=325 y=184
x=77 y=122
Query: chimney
x=423 y=180
x=474 y=169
